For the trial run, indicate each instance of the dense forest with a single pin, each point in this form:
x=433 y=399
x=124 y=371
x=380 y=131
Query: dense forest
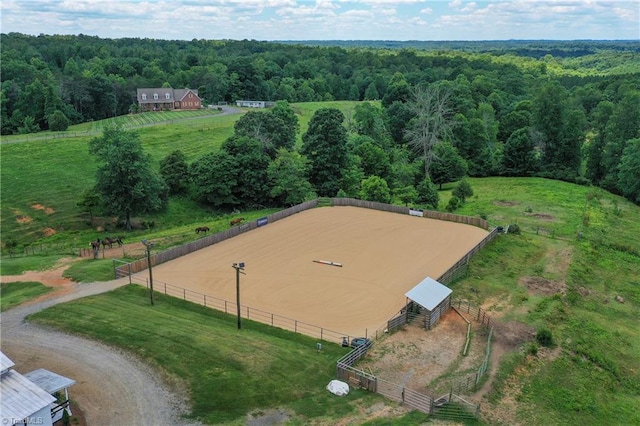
x=432 y=113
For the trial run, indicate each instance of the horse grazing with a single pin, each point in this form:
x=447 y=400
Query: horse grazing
x=200 y=229
x=95 y=245
x=236 y=221
x=108 y=241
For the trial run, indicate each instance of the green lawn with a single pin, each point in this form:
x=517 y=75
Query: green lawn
x=229 y=371
x=15 y=293
x=594 y=376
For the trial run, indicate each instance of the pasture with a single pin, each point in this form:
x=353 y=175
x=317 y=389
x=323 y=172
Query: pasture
x=383 y=255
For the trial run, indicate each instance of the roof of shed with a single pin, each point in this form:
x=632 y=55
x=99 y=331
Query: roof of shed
x=5 y=363
x=49 y=381
x=21 y=398
x=428 y=293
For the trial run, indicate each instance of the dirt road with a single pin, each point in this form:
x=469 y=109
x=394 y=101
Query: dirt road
x=112 y=387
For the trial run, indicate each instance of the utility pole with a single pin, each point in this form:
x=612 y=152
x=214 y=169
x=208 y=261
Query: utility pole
x=148 y=245
x=239 y=267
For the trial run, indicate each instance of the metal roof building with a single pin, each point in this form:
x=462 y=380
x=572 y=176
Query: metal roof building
x=22 y=400
x=433 y=298
x=28 y=399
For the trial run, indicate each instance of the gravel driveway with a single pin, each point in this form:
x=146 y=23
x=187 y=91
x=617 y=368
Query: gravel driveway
x=112 y=387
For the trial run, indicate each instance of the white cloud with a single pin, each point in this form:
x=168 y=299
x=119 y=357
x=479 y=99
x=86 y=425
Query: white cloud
x=326 y=19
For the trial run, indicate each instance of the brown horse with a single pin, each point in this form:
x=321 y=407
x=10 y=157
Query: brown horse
x=200 y=229
x=236 y=221
x=108 y=241
x=95 y=245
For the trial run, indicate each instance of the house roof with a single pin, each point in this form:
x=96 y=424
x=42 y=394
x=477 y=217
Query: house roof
x=428 y=293
x=21 y=397
x=49 y=381
x=5 y=363
x=180 y=94
x=174 y=94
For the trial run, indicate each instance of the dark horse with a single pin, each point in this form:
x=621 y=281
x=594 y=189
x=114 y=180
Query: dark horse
x=200 y=229
x=108 y=241
x=95 y=245
x=236 y=221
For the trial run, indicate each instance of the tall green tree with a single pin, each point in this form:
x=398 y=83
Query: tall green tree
x=448 y=165
x=623 y=126
x=124 y=179
x=214 y=178
x=519 y=157
x=374 y=188
x=250 y=162
x=266 y=127
x=174 y=169
x=562 y=130
x=596 y=169
x=288 y=178
x=325 y=145
x=629 y=171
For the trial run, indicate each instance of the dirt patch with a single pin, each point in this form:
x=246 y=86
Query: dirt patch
x=23 y=218
x=50 y=278
x=542 y=286
x=47 y=232
x=47 y=210
x=541 y=216
x=505 y=203
x=417 y=358
x=512 y=334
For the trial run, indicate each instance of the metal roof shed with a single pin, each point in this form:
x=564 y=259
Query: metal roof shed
x=52 y=383
x=434 y=298
x=22 y=400
x=49 y=381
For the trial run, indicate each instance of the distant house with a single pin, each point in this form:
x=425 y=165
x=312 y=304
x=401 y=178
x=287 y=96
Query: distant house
x=255 y=104
x=166 y=98
x=29 y=399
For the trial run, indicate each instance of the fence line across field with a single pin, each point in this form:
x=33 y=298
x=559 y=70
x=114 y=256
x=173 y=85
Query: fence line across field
x=246 y=312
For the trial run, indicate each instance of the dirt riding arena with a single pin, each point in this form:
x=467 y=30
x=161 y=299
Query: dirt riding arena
x=383 y=255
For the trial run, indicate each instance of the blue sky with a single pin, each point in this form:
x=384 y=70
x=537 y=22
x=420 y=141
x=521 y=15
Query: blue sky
x=327 y=19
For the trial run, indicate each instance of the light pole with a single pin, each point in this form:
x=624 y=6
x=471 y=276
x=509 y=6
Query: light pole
x=239 y=267
x=148 y=245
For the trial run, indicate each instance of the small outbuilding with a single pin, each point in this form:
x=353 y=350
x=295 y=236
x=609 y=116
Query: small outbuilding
x=433 y=299
x=29 y=399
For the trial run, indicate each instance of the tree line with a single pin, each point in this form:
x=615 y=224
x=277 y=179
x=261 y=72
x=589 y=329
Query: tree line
x=575 y=119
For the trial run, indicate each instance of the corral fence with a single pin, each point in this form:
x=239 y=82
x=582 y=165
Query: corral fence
x=246 y=312
x=192 y=246
x=471 y=382
x=430 y=214
x=451 y=406
x=412 y=310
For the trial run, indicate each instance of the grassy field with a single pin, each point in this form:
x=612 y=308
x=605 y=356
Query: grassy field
x=13 y=294
x=592 y=375
x=229 y=371
x=42 y=179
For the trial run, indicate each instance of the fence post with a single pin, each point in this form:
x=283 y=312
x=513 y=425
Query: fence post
x=205 y=300
x=184 y=293
x=129 y=267
x=165 y=288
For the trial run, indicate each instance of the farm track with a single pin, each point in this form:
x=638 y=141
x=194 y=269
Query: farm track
x=112 y=387
x=226 y=110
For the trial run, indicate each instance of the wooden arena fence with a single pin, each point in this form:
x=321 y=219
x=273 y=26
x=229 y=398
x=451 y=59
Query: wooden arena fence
x=192 y=246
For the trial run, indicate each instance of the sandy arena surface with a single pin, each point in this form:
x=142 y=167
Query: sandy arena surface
x=383 y=256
